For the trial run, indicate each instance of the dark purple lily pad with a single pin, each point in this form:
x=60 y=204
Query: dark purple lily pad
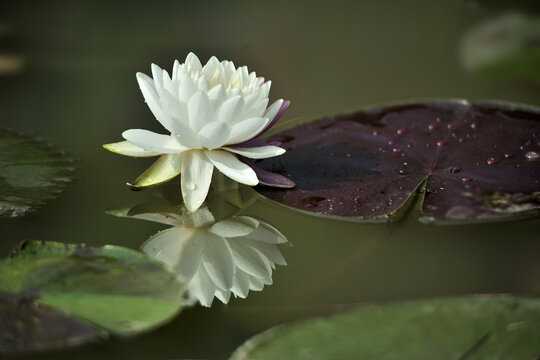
x=456 y=160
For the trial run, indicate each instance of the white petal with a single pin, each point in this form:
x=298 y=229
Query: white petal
x=164 y=169
x=151 y=141
x=166 y=245
x=240 y=284
x=152 y=99
x=186 y=87
x=173 y=107
x=178 y=248
x=270 y=251
x=218 y=260
x=175 y=70
x=167 y=83
x=229 y=70
x=211 y=69
x=217 y=93
x=273 y=109
x=199 y=111
x=255 y=284
x=230 y=109
x=233 y=227
x=256 y=110
x=129 y=149
x=261 y=152
x=251 y=100
x=265 y=89
x=193 y=63
x=247 y=129
x=202 y=84
x=202 y=287
x=268 y=234
x=196 y=178
x=189 y=257
x=224 y=296
x=157 y=75
x=214 y=134
x=251 y=261
x=185 y=135
x=229 y=165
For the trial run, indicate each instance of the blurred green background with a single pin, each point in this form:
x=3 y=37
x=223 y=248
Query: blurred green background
x=67 y=74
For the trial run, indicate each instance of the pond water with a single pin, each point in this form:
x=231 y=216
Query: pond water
x=76 y=88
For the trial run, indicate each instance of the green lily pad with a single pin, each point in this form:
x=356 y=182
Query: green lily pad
x=31 y=173
x=482 y=327
x=506 y=47
x=119 y=290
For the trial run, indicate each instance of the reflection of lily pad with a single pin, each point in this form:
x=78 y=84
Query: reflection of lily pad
x=117 y=289
x=461 y=161
x=500 y=327
x=29 y=325
x=31 y=173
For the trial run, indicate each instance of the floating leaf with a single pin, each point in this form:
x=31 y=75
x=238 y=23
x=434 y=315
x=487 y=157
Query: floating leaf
x=498 y=327
x=31 y=173
x=507 y=46
x=456 y=160
x=117 y=289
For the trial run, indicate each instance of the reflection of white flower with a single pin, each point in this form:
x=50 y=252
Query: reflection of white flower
x=221 y=258
x=211 y=113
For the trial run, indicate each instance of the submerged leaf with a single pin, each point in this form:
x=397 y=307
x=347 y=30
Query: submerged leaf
x=496 y=327
x=453 y=158
x=117 y=289
x=31 y=173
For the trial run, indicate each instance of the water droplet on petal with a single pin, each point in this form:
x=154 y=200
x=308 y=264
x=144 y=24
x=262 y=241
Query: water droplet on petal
x=190 y=186
x=532 y=155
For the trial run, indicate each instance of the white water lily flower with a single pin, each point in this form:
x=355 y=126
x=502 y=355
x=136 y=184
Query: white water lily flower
x=217 y=259
x=212 y=113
